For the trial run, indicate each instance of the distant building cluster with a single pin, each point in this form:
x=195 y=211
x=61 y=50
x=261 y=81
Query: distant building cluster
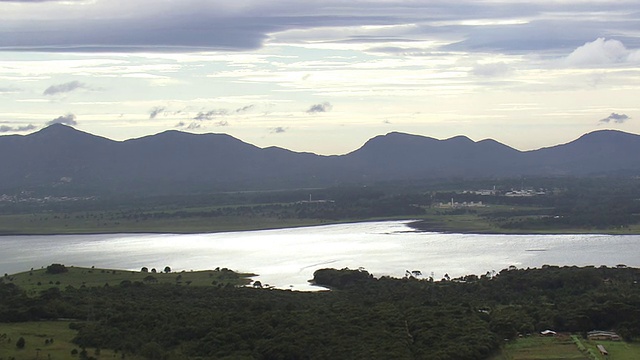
x=454 y=204
x=510 y=193
x=525 y=193
x=30 y=199
x=603 y=335
x=312 y=201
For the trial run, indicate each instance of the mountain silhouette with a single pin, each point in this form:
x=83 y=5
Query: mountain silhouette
x=174 y=161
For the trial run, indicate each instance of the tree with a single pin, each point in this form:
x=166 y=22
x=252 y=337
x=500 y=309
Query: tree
x=144 y=269
x=167 y=269
x=152 y=350
x=20 y=343
x=56 y=269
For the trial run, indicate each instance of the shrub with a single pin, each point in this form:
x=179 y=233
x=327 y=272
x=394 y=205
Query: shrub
x=56 y=269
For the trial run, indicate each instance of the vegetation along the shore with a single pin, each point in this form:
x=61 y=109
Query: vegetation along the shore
x=362 y=317
x=539 y=205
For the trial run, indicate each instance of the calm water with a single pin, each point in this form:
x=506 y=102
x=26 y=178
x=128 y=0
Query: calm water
x=287 y=258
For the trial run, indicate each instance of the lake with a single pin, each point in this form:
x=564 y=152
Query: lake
x=287 y=258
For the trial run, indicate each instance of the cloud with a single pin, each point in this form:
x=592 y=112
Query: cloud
x=244 y=109
x=7 y=128
x=403 y=51
x=199 y=25
x=210 y=115
x=64 y=88
x=8 y=90
x=602 y=52
x=190 y=126
x=318 y=108
x=278 y=130
x=69 y=119
x=491 y=69
x=616 y=118
x=155 y=111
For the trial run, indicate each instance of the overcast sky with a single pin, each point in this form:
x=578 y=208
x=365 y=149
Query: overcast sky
x=322 y=76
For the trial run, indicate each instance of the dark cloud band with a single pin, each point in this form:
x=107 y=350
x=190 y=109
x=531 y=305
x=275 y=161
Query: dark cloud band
x=615 y=118
x=64 y=88
x=7 y=128
x=195 y=25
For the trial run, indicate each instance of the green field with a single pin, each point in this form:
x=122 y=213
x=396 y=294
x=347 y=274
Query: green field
x=563 y=348
x=618 y=350
x=78 y=223
x=538 y=348
x=38 y=342
x=38 y=279
x=193 y=221
x=38 y=336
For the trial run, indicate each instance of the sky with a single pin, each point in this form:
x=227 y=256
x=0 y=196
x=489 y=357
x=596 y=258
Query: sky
x=322 y=76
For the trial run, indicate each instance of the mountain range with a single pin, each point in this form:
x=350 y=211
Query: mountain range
x=60 y=155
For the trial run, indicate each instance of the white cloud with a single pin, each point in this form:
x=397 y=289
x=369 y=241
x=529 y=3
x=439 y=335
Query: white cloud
x=491 y=69
x=23 y=128
x=602 y=52
x=69 y=119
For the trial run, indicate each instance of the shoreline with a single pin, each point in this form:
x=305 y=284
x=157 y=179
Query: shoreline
x=426 y=226
x=417 y=225
x=213 y=231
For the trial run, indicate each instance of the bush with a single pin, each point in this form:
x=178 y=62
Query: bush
x=56 y=269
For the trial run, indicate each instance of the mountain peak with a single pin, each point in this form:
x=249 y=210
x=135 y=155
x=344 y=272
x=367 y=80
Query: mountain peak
x=607 y=134
x=57 y=129
x=65 y=134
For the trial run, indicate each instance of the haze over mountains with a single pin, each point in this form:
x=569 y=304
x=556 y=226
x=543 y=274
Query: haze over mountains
x=61 y=156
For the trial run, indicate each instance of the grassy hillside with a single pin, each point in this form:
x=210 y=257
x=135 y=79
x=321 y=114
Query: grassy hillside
x=563 y=347
x=37 y=280
x=46 y=340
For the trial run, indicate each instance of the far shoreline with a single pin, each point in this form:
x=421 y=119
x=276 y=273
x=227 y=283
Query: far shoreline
x=427 y=226
x=417 y=225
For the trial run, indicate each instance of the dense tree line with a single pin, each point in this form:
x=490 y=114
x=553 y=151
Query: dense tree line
x=363 y=317
x=567 y=203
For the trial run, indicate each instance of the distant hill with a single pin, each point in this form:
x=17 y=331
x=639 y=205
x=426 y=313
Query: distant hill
x=173 y=161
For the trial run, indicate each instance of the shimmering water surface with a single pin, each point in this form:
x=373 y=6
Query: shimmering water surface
x=287 y=258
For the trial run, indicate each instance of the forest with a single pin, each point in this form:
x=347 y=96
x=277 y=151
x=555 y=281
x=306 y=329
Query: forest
x=362 y=317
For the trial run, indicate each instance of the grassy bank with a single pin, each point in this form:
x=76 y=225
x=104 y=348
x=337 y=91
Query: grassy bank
x=175 y=218
x=563 y=348
x=495 y=219
x=36 y=280
x=78 y=223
